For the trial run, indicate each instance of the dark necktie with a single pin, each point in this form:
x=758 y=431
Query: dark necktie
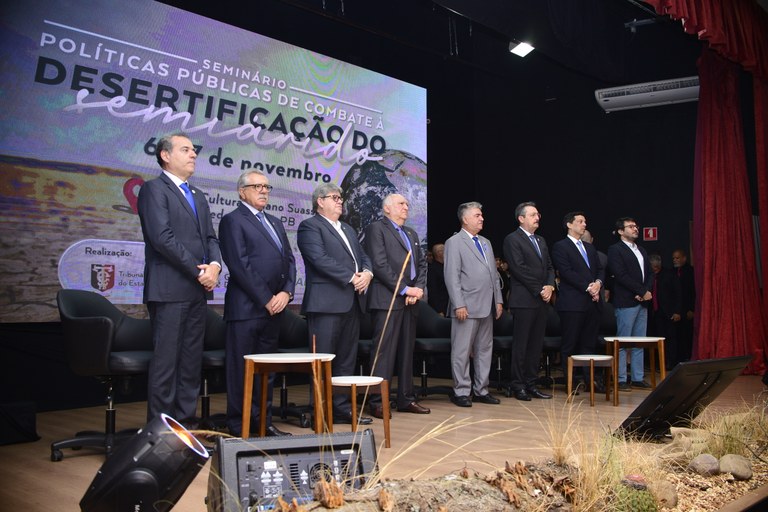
x=189 y=197
x=535 y=245
x=479 y=247
x=270 y=229
x=404 y=236
x=583 y=252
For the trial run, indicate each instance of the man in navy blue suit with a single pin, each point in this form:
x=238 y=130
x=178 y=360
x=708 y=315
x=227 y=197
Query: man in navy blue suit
x=262 y=278
x=581 y=281
x=181 y=269
x=631 y=294
x=338 y=274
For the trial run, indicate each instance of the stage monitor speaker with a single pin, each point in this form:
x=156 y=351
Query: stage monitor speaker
x=250 y=474
x=681 y=396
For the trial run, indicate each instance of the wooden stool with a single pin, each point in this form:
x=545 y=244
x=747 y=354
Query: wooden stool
x=362 y=380
x=593 y=360
x=654 y=344
x=317 y=365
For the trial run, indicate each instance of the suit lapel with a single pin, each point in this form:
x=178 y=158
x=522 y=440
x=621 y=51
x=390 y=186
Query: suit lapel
x=182 y=199
x=261 y=228
x=392 y=230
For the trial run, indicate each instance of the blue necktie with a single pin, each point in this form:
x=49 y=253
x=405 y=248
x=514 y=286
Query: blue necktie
x=535 y=245
x=583 y=252
x=270 y=229
x=190 y=198
x=404 y=236
x=479 y=247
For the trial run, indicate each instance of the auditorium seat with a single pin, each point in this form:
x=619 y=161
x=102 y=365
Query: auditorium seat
x=433 y=343
x=213 y=368
x=101 y=342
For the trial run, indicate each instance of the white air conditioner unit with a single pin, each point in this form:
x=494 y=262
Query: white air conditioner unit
x=650 y=94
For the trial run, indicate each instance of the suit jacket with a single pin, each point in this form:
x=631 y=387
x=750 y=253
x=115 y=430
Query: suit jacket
x=258 y=268
x=667 y=293
x=387 y=251
x=329 y=266
x=575 y=275
x=174 y=241
x=472 y=281
x=684 y=275
x=437 y=294
x=629 y=279
x=528 y=273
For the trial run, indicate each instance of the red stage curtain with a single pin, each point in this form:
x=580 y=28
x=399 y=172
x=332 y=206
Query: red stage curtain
x=732 y=314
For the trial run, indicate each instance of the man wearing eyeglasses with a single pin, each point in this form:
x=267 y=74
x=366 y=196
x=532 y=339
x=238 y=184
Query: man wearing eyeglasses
x=631 y=294
x=338 y=273
x=262 y=277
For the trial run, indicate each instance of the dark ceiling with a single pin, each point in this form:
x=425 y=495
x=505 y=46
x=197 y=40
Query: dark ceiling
x=587 y=37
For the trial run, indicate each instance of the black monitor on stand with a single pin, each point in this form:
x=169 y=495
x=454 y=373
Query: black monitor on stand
x=686 y=390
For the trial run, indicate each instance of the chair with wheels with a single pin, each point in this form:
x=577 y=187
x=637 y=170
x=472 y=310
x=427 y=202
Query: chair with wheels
x=213 y=368
x=101 y=342
x=433 y=342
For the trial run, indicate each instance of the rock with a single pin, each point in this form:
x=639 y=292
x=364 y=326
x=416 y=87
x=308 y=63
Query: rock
x=705 y=465
x=665 y=493
x=635 y=482
x=738 y=466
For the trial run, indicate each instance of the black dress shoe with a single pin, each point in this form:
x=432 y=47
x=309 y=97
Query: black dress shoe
x=461 y=401
x=520 y=394
x=535 y=393
x=415 y=408
x=346 y=417
x=486 y=399
x=273 y=431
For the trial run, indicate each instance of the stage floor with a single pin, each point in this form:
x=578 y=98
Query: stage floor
x=481 y=438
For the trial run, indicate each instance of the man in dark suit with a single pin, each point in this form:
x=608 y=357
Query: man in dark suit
x=531 y=286
x=437 y=293
x=581 y=280
x=338 y=273
x=475 y=300
x=684 y=274
x=262 y=277
x=631 y=294
x=388 y=241
x=664 y=314
x=181 y=269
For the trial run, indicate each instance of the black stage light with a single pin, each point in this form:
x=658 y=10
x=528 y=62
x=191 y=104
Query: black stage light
x=149 y=472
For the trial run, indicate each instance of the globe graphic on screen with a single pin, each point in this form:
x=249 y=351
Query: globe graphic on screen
x=365 y=187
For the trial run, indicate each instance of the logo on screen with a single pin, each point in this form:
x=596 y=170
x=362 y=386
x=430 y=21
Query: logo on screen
x=102 y=276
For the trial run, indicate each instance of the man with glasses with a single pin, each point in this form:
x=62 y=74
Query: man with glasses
x=631 y=294
x=262 y=277
x=338 y=273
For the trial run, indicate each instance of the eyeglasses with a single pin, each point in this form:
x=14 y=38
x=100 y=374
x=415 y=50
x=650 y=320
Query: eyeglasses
x=260 y=186
x=631 y=226
x=335 y=198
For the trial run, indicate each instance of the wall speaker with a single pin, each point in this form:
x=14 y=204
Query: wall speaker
x=250 y=474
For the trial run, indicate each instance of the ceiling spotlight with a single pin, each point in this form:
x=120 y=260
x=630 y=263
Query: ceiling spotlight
x=520 y=49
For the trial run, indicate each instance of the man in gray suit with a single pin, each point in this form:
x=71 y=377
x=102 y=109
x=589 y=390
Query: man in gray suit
x=475 y=300
x=181 y=269
x=388 y=242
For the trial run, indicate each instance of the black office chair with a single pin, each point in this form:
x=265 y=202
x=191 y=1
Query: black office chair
x=294 y=337
x=433 y=343
x=553 y=342
x=101 y=342
x=213 y=368
x=502 y=345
